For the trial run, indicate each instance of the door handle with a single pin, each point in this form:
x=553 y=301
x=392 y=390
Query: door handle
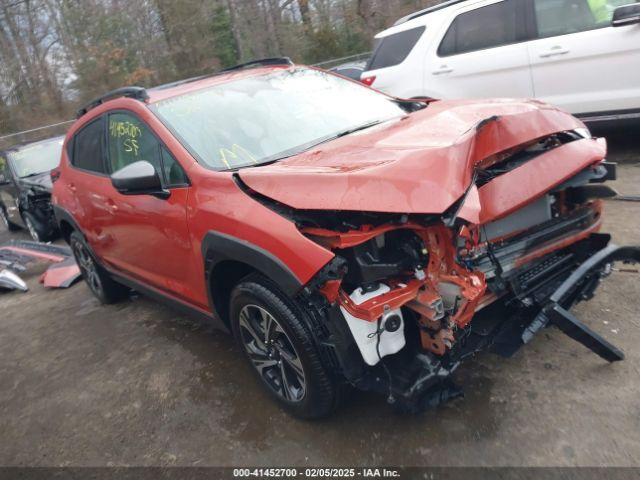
x=71 y=187
x=442 y=69
x=553 y=51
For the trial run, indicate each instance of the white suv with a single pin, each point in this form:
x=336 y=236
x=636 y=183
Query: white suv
x=582 y=55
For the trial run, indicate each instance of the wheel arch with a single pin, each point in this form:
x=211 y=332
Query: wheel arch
x=229 y=259
x=66 y=229
x=66 y=223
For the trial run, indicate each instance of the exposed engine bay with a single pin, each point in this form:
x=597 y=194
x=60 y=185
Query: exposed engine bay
x=407 y=297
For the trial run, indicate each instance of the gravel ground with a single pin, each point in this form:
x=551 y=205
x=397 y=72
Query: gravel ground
x=137 y=384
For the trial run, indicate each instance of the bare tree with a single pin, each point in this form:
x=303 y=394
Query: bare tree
x=57 y=53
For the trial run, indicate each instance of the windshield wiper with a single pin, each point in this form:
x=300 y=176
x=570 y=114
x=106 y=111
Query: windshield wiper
x=356 y=129
x=288 y=154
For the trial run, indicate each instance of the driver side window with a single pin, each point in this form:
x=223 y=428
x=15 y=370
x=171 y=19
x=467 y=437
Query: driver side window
x=130 y=140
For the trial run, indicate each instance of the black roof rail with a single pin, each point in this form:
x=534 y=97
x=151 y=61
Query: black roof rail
x=177 y=83
x=262 y=62
x=138 y=93
x=434 y=8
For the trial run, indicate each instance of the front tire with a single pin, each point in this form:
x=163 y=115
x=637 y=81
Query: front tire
x=277 y=343
x=99 y=281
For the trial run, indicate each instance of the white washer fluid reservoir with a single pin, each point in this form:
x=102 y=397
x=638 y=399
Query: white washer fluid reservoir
x=364 y=332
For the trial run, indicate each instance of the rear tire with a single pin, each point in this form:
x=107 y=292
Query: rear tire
x=280 y=348
x=4 y=220
x=97 y=278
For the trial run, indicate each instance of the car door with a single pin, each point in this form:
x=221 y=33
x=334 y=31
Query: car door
x=582 y=63
x=147 y=236
x=86 y=178
x=481 y=52
x=9 y=193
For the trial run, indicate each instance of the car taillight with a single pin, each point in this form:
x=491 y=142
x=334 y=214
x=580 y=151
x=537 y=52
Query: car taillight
x=55 y=174
x=368 y=81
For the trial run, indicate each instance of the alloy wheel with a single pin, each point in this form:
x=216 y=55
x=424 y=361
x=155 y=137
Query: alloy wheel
x=272 y=353
x=88 y=268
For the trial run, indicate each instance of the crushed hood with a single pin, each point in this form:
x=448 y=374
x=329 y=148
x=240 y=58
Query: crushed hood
x=421 y=163
x=41 y=182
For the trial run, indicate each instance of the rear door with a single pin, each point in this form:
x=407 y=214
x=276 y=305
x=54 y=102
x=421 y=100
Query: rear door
x=481 y=52
x=86 y=178
x=580 y=62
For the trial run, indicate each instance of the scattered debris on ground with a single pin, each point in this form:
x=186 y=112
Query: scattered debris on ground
x=17 y=255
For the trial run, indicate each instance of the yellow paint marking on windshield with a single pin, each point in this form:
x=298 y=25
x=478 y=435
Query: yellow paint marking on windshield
x=236 y=152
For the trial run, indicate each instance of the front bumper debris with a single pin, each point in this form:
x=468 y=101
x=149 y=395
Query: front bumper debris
x=63 y=271
x=580 y=285
x=425 y=380
x=11 y=281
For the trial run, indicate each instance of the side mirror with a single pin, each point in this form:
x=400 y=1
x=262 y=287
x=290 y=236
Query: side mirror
x=3 y=179
x=139 y=178
x=626 y=15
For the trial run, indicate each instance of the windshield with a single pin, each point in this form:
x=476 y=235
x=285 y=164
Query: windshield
x=37 y=158
x=263 y=118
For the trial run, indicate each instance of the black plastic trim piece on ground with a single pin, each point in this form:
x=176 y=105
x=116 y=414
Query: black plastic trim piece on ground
x=574 y=328
x=553 y=312
x=611 y=253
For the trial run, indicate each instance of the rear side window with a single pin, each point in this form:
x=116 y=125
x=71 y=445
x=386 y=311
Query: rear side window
x=486 y=27
x=561 y=17
x=393 y=50
x=88 y=146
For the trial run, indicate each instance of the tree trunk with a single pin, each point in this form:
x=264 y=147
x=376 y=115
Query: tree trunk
x=235 y=29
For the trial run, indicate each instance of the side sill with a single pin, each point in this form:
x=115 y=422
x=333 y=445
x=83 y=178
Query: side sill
x=172 y=302
x=152 y=292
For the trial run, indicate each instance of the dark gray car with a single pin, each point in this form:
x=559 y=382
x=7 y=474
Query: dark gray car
x=25 y=187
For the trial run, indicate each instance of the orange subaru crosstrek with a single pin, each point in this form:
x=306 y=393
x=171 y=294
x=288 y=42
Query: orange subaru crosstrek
x=345 y=237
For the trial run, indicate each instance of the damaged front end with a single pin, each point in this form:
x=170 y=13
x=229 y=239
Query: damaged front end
x=409 y=296
x=35 y=200
x=405 y=301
